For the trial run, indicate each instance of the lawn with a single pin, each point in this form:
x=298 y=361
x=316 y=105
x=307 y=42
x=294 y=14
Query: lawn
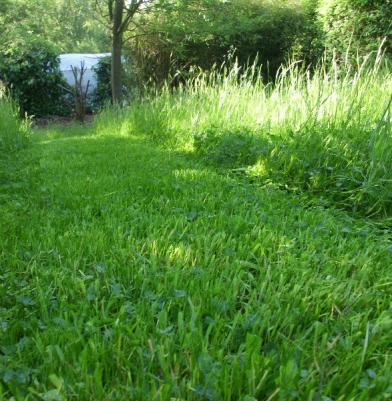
x=132 y=271
x=224 y=241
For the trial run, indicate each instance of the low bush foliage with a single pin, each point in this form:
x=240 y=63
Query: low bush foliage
x=354 y=28
x=103 y=91
x=233 y=148
x=30 y=69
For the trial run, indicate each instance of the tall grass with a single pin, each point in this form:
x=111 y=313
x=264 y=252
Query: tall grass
x=327 y=132
x=14 y=136
x=13 y=131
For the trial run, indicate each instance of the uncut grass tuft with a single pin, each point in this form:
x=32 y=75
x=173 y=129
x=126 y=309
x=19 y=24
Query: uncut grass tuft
x=327 y=133
x=14 y=140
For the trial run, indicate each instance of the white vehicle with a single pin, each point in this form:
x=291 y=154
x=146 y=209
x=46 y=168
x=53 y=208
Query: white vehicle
x=67 y=61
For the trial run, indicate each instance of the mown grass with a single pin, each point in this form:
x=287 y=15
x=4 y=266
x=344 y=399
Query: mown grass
x=133 y=272
x=136 y=271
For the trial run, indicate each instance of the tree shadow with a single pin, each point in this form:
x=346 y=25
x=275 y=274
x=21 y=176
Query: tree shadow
x=123 y=163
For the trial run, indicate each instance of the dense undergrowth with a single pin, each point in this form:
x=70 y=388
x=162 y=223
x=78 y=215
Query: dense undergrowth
x=327 y=133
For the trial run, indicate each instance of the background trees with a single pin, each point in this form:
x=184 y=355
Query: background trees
x=161 y=40
x=70 y=25
x=358 y=26
x=120 y=14
x=30 y=68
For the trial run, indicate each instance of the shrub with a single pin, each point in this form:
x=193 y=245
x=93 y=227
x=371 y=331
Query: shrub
x=103 y=91
x=31 y=71
x=358 y=26
x=309 y=44
x=262 y=30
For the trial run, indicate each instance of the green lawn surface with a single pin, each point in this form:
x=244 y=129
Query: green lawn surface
x=133 y=272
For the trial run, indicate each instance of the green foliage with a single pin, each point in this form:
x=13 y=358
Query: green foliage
x=14 y=140
x=70 y=25
x=357 y=26
x=236 y=147
x=103 y=91
x=203 y=33
x=31 y=71
x=309 y=45
x=13 y=132
x=181 y=248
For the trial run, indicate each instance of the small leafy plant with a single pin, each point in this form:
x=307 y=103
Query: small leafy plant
x=236 y=147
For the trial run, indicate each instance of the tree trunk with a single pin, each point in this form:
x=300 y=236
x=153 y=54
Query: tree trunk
x=117 y=42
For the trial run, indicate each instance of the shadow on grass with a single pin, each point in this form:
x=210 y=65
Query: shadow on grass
x=93 y=167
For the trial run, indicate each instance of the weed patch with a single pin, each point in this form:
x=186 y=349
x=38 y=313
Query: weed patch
x=233 y=148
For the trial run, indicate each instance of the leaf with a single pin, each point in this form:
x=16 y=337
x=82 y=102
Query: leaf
x=249 y=398
x=8 y=375
x=25 y=300
x=91 y=292
x=129 y=308
x=52 y=395
x=166 y=330
x=191 y=216
x=3 y=324
x=180 y=293
x=23 y=376
x=304 y=373
x=100 y=267
x=116 y=290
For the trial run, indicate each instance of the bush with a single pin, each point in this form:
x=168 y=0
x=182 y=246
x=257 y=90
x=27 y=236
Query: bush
x=103 y=91
x=263 y=30
x=356 y=25
x=309 y=44
x=31 y=72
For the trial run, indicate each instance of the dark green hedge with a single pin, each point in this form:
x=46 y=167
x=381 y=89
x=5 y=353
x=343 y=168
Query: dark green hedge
x=357 y=25
x=31 y=72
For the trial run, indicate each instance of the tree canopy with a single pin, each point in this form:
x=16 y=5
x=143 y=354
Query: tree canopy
x=160 y=38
